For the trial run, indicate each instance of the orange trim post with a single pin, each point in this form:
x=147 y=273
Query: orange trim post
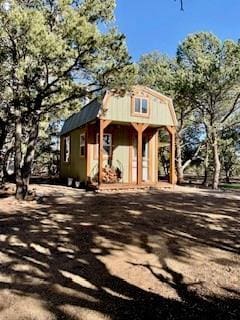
x=172 y=157
x=89 y=151
x=100 y=152
x=139 y=127
x=156 y=155
x=105 y=123
x=152 y=175
x=139 y=157
x=130 y=162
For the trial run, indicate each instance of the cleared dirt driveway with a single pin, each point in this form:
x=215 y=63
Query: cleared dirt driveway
x=145 y=255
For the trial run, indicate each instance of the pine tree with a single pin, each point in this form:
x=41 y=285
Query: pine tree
x=55 y=53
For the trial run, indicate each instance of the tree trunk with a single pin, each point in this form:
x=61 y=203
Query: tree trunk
x=227 y=172
x=3 y=131
x=18 y=155
x=3 y=137
x=165 y=162
x=179 y=167
x=2 y=178
x=29 y=157
x=206 y=164
x=217 y=164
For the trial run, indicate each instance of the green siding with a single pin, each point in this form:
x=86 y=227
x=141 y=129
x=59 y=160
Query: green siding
x=119 y=109
x=76 y=167
x=121 y=151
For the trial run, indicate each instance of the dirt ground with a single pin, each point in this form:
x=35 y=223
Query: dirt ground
x=136 y=255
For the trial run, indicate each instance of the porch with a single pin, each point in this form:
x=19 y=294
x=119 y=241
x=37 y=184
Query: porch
x=161 y=185
x=126 y=156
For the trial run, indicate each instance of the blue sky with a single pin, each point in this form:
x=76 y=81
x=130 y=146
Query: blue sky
x=152 y=25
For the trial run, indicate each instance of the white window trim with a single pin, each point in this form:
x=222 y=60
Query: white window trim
x=146 y=114
x=66 y=150
x=82 y=144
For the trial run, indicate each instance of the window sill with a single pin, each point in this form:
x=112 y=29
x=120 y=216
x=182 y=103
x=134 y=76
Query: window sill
x=142 y=115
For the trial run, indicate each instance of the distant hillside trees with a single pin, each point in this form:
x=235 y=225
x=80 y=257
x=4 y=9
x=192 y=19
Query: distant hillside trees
x=204 y=81
x=165 y=75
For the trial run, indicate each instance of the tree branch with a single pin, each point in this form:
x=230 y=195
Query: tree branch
x=187 y=163
x=232 y=109
x=71 y=97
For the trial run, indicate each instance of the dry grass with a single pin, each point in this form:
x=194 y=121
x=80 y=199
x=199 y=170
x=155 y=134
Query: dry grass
x=146 y=255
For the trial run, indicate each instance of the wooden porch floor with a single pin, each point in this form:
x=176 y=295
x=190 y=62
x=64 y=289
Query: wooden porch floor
x=130 y=186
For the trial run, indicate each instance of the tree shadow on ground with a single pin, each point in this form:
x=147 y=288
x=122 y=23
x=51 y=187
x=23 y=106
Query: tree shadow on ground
x=55 y=252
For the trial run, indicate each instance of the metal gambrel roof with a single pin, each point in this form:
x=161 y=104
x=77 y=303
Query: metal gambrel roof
x=118 y=109
x=87 y=114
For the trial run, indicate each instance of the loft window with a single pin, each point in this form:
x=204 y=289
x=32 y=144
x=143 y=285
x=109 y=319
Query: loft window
x=66 y=149
x=141 y=106
x=82 y=144
x=107 y=144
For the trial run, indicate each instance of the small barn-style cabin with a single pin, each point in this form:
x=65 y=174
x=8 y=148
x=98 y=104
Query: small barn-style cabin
x=114 y=143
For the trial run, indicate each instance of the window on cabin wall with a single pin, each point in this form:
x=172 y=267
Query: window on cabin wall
x=82 y=145
x=141 y=106
x=107 y=145
x=66 y=149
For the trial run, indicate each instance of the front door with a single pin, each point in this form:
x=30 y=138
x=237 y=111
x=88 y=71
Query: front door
x=134 y=160
x=145 y=159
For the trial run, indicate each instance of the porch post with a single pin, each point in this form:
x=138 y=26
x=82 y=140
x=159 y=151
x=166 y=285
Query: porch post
x=100 y=151
x=102 y=125
x=139 y=127
x=156 y=154
x=172 y=156
x=90 y=140
x=139 y=156
x=88 y=154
